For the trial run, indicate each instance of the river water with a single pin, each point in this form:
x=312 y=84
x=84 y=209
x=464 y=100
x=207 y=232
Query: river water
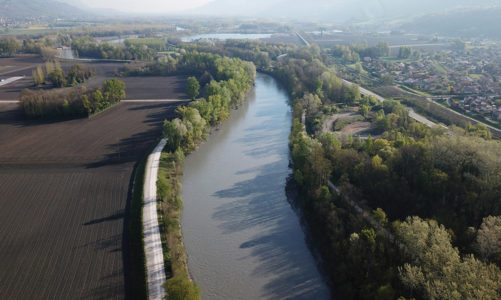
x=242 y=237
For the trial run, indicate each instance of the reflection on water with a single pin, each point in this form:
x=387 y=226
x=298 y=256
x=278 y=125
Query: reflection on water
x=242 y=238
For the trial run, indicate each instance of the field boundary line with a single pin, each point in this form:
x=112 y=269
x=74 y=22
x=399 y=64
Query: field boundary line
x=155 y=270
x=11 y=80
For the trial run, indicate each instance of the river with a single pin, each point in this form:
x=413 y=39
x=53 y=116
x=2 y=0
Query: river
x=243 y=239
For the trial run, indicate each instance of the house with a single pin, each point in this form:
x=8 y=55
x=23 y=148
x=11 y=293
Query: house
x=497 y=114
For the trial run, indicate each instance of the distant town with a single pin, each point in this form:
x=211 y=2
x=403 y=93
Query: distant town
x=468 y=79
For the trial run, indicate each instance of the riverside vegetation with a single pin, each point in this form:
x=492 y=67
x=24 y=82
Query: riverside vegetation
x=436 y=194
x=225 y=82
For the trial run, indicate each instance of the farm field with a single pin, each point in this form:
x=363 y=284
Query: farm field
x=171 y=87
x=64 y=200
x=19 y=65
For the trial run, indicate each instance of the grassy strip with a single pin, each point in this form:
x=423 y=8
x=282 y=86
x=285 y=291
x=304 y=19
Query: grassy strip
x=170 y=209
x=137 y=260
x=408 y=89
x=96 y=113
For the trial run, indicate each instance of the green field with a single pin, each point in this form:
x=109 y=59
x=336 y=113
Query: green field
x=440 y=68
x=396 y=59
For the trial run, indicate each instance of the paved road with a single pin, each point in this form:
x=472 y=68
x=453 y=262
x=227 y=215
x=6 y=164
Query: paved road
x=412 y=113
x=302 y=39
x=152 y=243
x=10 y=80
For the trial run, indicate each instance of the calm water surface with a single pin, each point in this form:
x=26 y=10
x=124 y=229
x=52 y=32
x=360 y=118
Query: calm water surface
x=242 y=238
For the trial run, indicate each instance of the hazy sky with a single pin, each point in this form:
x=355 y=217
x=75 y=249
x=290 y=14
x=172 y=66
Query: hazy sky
x=149 y=6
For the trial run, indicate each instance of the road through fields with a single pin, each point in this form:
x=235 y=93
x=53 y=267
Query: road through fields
x=152 y=241
x=64 y=200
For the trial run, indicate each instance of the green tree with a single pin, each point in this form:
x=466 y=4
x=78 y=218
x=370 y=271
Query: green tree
x=57 y=78
x=352 y=94
x=9 y=47
x=114 y=90
x=175 y=131
x=405 y=52
x=179 y=288
x=364 y=110
x=49 y=67
x=78 y=74
x=379 y=215
x=38 y=76
x=382 y=49
x=436 y=267
x=489 y=239
x=192 y=88
x=387 y=79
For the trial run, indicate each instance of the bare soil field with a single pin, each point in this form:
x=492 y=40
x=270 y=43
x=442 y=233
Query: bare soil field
x=12 y=90
x=171 y=87
x=357 y=128
x=19 y=65
x=64 y=200
x=329 y=121
x=353 y=125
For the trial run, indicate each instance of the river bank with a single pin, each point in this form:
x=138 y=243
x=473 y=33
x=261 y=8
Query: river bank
x=243 y=239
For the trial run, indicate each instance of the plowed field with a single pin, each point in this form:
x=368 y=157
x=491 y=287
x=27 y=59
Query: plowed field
x=64 y=199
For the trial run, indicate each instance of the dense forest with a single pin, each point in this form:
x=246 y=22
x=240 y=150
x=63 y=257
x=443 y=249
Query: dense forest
x=131 y=50
x=434 y=195
x=75 y=102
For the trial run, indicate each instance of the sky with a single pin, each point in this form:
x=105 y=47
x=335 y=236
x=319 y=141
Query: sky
x=146 y=6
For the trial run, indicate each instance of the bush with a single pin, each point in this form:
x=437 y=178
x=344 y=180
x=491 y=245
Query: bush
x=179 y=288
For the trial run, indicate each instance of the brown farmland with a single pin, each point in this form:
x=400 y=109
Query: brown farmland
x=64 y=200
x=172 y=87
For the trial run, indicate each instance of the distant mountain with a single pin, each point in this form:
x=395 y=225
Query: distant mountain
x=335 y=10
x=461 y=23
x=39 y=8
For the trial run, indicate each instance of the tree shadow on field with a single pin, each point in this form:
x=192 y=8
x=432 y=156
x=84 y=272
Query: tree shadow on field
x=14 y=116
x=117 y=216
x=133 y=147
x=280 y=247
x=110 y=287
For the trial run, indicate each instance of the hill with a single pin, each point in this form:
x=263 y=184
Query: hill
x=463 y=23
x=15 y=9
x=335 y=11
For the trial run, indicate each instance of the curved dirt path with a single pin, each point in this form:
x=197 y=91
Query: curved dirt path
x=155 y=271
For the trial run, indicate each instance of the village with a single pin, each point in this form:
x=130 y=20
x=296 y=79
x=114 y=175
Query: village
x=468 y=81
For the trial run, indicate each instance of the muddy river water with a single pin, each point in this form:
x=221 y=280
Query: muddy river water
x=243 y=239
